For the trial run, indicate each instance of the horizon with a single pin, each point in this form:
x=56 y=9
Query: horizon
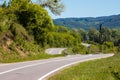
x=85 y=8
x=88 y=17
x=85 y=16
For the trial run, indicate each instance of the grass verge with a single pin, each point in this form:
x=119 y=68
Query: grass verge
x=103 y=69
x=29 y=58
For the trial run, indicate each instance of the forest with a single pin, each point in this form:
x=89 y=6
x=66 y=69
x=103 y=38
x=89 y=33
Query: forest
x=112 y=21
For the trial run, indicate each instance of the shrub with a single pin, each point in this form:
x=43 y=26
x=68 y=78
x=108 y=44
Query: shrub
x=80 y=49
x=94 y=48
x=108 y=47
x=56 y=39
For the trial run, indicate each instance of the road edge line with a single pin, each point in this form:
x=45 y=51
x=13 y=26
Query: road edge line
x=46 y=75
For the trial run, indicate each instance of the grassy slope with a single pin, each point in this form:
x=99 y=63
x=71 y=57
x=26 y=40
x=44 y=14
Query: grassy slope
x=104 y=69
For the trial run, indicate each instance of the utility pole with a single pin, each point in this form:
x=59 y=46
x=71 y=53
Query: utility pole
x=100 y=37
x=100 y=33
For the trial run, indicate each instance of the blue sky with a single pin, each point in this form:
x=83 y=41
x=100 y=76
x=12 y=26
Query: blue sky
x=89 y=8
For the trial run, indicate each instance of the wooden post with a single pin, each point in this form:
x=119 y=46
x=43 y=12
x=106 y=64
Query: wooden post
x=100 y=37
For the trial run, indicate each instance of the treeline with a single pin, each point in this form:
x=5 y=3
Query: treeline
x=100 y=36
x=105 y=39
x=86 y=22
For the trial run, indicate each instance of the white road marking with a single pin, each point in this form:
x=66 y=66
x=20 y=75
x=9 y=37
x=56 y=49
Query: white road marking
x=46 y=75
x=43 y=77
x=4 y=72
x=83 y=56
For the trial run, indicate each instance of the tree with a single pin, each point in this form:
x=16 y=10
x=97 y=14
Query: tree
x=116 y=36
x=93 y=34
x=75 y=34
x=105 y=34
x=32 y=17
x=62 y=29
x=4 y=4
x=55 y=6
x=83 y=34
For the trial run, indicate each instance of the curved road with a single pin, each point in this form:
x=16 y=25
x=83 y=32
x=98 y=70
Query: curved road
x=54 y=50
x=40 y=69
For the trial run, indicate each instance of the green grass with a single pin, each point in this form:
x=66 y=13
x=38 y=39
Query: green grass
x=103 y=69
x=16 y=58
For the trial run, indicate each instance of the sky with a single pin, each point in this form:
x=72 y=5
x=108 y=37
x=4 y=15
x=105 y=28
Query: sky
x=88 y=8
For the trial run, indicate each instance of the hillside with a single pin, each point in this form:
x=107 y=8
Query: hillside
x=26 y=30
x=19 y=30
x=87 y=22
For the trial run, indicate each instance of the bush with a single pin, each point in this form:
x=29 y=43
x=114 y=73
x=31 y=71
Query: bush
x=77 y=50
x=118 y=48
x=56 y=39
x=94 y=48
x=108 y=47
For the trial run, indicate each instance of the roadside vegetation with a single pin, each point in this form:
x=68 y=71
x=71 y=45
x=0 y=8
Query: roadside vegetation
x=15 y=58
x=103 y=69
x=104 y=40
x=26 y=30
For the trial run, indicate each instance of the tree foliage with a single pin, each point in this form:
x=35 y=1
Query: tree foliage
x=60 y=39
x=55 y=6
x=24 y=20
x=29 y=21
x=93 y=34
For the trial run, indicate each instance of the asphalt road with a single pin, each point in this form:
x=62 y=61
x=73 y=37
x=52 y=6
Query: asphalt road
x=59 y=50
x=54 y=50
x=40 y=69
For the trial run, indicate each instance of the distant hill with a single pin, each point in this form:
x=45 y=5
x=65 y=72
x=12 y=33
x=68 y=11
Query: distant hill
x=87 y=22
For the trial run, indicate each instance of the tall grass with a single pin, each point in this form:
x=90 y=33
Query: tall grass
x=103 y=69
x=16 y=58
